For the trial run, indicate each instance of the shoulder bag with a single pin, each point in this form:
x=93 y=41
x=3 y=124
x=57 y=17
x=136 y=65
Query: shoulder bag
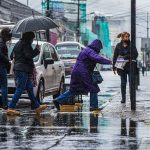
x=96 y=77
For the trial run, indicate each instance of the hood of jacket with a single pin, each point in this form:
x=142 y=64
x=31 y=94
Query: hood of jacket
x=96 y=45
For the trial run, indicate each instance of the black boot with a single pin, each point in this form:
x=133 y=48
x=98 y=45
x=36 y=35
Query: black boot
x=123 y=100
x=123 y=93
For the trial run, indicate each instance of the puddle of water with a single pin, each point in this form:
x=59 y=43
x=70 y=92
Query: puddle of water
x=75 y=130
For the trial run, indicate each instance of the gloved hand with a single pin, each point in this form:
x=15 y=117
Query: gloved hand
x=37 y=47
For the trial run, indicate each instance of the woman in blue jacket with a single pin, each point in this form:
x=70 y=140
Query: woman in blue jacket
x=81 y=76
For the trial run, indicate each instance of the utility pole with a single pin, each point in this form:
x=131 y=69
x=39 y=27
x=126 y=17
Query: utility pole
x=146 y=46
x=132 y=59
x=27 y=2
x=78 y=22
x=147 y=25
x=48 y=15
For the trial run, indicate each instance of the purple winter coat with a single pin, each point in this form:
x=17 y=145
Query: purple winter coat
x=81 y=77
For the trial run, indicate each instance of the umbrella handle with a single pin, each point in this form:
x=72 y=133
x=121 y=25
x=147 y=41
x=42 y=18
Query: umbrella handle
x=36 y=37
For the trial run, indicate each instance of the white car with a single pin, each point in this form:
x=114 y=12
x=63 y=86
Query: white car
x=68 y=52
x=50 y=71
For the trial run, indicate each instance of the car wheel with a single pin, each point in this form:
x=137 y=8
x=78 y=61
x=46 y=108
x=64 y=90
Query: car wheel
x=41 y=92
x=61 y=89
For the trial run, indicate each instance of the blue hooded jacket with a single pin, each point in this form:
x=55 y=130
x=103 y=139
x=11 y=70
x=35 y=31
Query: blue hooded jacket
x=81 y=77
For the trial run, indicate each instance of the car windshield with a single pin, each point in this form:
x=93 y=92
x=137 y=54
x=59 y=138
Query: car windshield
x=68 y=51
x=11 y=46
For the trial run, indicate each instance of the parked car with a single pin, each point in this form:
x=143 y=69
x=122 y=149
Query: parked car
x=50 y=71
x=68 y=52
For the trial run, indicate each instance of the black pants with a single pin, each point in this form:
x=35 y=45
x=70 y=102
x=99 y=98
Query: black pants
x=124 y=77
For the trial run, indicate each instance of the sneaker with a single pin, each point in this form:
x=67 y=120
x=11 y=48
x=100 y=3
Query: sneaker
x=40 y=109
x=56 y=104
x=12 y=112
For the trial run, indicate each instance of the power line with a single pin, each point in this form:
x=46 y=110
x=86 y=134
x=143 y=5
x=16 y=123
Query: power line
x=125 y=12
x=141 y=26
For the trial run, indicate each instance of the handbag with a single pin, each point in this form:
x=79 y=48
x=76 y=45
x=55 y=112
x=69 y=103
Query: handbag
x=96 y=77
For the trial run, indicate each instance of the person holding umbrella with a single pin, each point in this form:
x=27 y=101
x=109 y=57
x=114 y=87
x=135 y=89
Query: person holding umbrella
x=23 y=55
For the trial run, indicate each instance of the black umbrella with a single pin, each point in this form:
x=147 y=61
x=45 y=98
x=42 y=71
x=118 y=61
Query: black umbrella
x=34 y=23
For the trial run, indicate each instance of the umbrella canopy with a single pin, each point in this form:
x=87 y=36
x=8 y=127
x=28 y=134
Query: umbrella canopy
x=34 y=23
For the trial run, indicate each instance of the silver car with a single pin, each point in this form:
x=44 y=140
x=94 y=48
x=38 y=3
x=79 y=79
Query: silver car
x=50 y=71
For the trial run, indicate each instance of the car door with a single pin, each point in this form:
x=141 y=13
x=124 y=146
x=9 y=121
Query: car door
x=49 y=71
x=57 y=66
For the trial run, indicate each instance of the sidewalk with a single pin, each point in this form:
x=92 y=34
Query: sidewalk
x=117 y=110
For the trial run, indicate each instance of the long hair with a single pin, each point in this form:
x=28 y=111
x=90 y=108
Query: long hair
x=121 y=35
x=6 y=32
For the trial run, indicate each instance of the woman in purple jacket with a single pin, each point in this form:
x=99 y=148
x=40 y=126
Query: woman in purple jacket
x=81 y=76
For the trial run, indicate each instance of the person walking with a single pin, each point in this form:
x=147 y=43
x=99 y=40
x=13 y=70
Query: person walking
x=81 y=76
x=5 y=36
x=121 y=61
x=23 y=55
x=143 y=70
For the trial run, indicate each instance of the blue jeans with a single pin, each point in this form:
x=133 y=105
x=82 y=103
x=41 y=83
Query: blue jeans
x=65 y=98
x=68 y=96
x=23 y=83
x=3 y=86
x=93 y=100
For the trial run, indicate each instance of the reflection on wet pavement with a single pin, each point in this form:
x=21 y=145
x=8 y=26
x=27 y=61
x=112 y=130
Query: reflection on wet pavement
x=63 y=130
x=68 y=131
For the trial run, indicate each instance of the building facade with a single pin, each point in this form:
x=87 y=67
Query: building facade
x=13 y=11
x=65 y=13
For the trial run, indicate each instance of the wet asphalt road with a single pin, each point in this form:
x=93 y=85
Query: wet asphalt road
x=71 y=130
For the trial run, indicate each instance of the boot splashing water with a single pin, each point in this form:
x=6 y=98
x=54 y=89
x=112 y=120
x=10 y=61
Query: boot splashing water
x=12 y=112
x=40 y=109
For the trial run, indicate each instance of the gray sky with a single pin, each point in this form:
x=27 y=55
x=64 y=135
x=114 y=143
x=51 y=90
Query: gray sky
x=121 y=8
x=36 y=4
x=104 y=5
x=115 y=8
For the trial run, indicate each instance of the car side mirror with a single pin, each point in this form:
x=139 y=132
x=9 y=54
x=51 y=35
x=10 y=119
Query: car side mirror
x=48 y=61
